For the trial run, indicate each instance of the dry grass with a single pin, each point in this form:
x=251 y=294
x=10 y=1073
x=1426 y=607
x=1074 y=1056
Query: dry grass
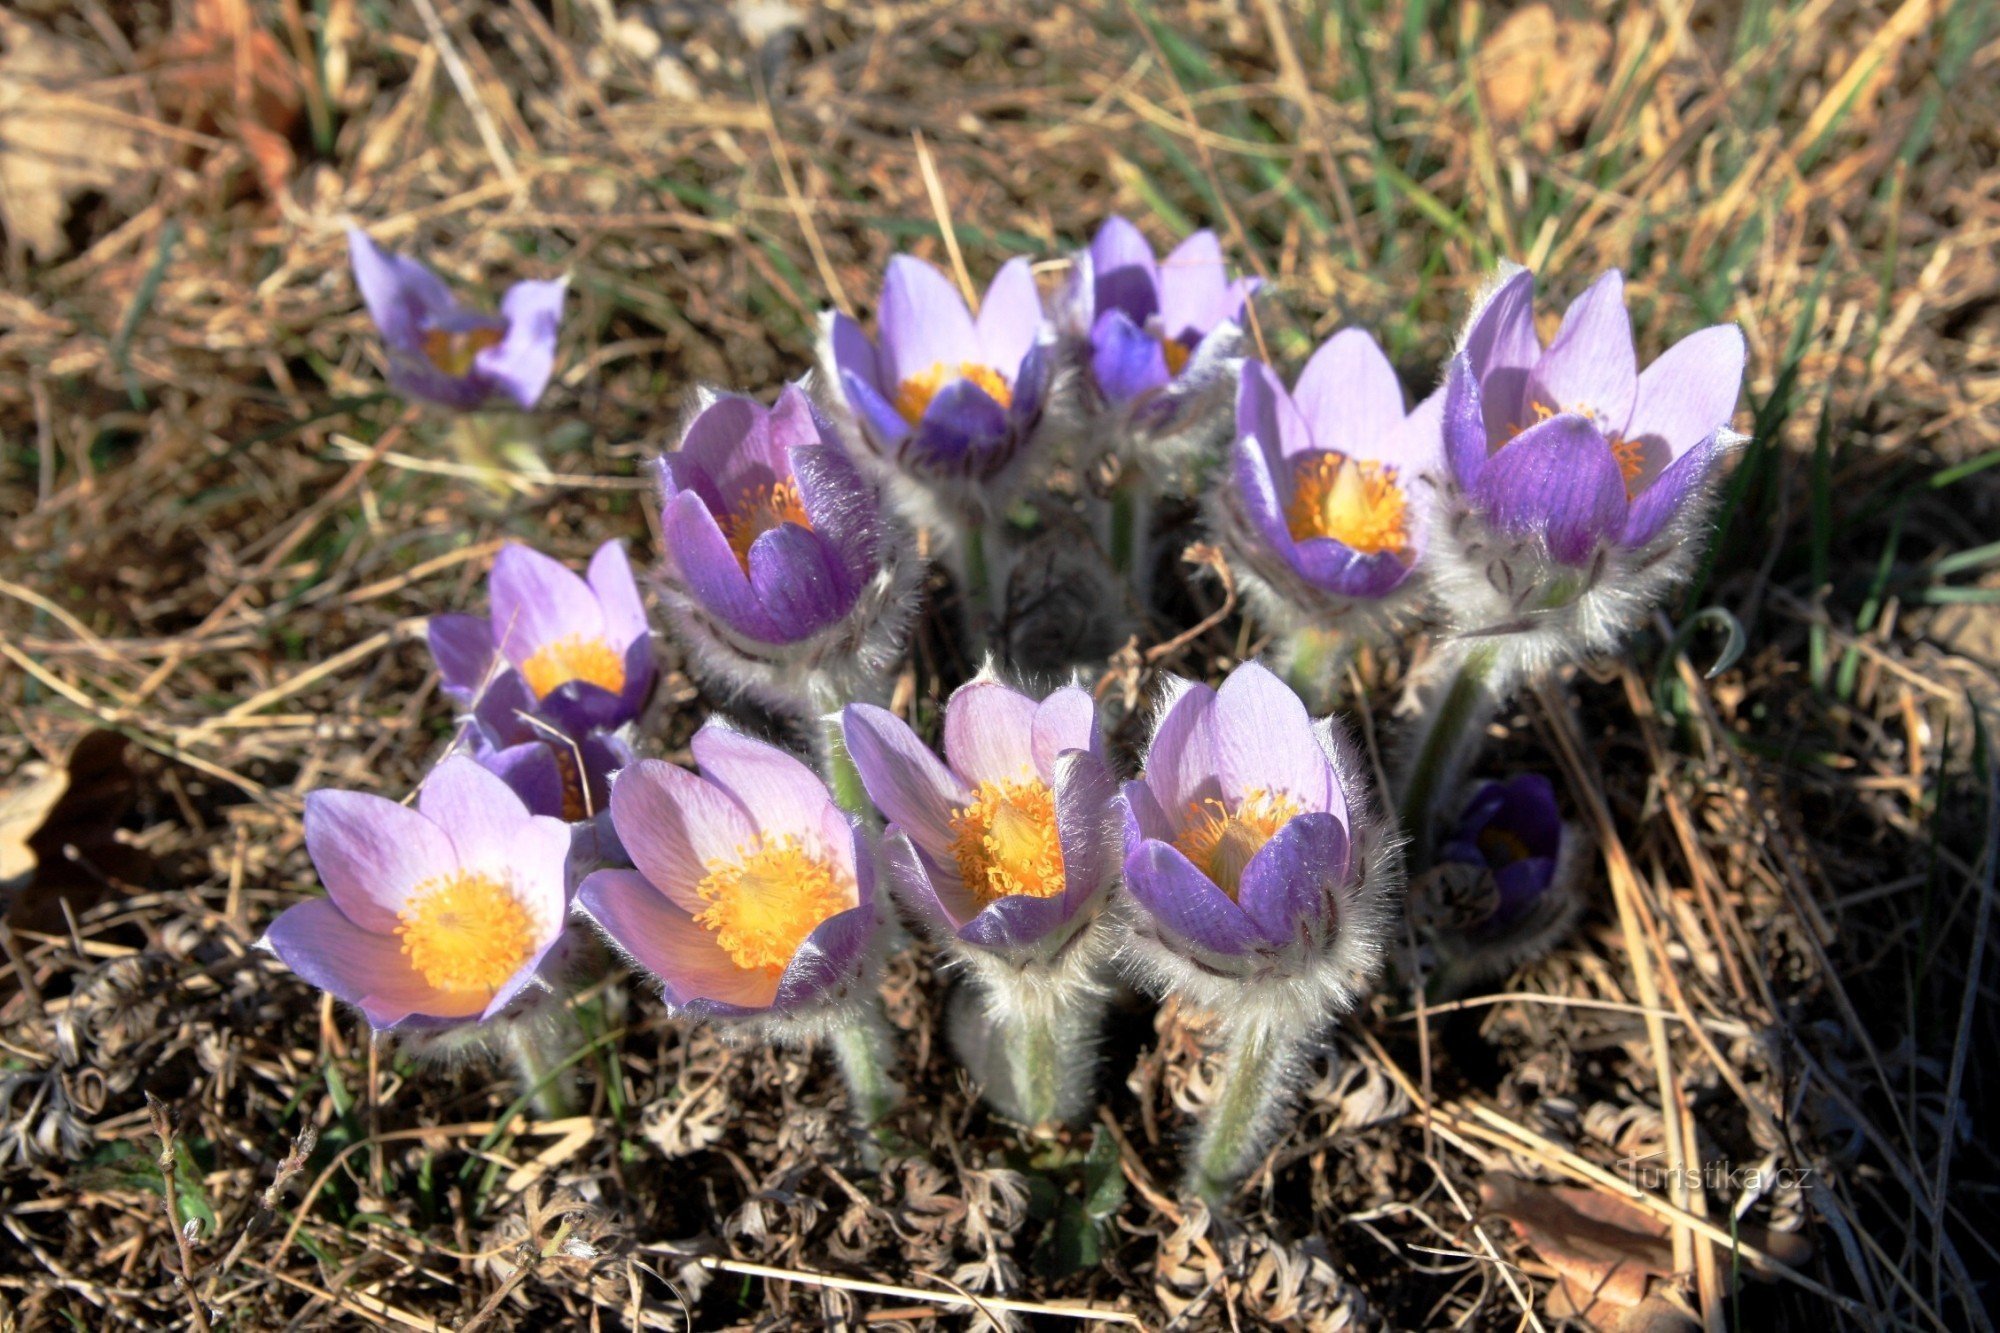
x=221 y=541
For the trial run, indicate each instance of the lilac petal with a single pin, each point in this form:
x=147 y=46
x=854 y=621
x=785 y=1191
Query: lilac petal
x=403 y=297
x=372 y=853
x=711 y=572
x=1010 y=317
x=1266 y=411
x=828 y=959
x=938 y=900
x=1349 y=396
x=1195 y=291
x=1264 y=741
x=1031 y=386
x=365 y=969
x=886 y=426
x=1086 y=825
x=783 y=796
x=665 y=940
x=854 y=354
x=1288 y=887
x=903 y=778
x=724 y=451
x=1180 y=762
x=963 y=431
x=1126 y=360
x=1466 y=439
x=1066 y=720
x=1016 y=922
x=1345 y=572
x=1689 y=391
x=533 y=773
x=610 y=577
x=1124 y=275
x=1142 y=816
x=1590 y=367
x=987 y=733
x=477 y=810
x=843 y=510
x=462 y=647
x=505 y=710
x=536 y=857
x=923 y=322
x=1653 y=508
x=1417 y=447
x=1251 y=468
x=675 y=825
x=1185 y=902
x=521 y=363
x=1558 y=481
x=538 y=600
x=792 y=573
x=1501 y=345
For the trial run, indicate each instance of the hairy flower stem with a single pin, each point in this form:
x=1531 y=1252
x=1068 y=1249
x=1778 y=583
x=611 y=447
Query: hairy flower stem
x=1447 y=737
x=1260 y=1047
x=835 y=763
x=1030 y=1038
x=1130 y=523
x=1311 y=659
x=547 y=1083
x=978 y=578
x=861 y=1048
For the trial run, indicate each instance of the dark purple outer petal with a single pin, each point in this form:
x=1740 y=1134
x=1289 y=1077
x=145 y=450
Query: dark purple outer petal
x=1288 y=887
x=843 y=509
x=1184 y=902
x=1346 y=572
x=1559 y=481
x=1124 y=274
x=462 y=646
x=1016 y=922
x=1670 y=492
x=964 y=432
x=532 y=771
x=1466 y=442
x=1127 y=361
x=710 y=571
x=795 y=578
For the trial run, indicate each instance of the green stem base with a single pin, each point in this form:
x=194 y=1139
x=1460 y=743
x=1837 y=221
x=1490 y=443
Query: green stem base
x=1253 y=1087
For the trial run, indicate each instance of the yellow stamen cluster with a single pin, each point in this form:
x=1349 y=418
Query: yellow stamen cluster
x=1005 y=841
x=453 y=350
x=1358 y=504
x=1221 y=841
x=576 y=657
x=465 y=933
x=1501 y=846
x=914 y=394
x=759 y=510
x=1176 y=352
x=763 y=903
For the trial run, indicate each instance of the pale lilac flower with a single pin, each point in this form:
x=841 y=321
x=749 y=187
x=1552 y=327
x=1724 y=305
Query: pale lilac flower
x=1250 y=848
x=448 y=353
x=752 y=896
x=948 y=399
x=1322 y=510
x=1008 y=844
x=434 y=916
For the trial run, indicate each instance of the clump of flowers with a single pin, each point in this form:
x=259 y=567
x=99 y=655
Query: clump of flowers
x=752 y=901
x=1263 y=881
x=1006 y=853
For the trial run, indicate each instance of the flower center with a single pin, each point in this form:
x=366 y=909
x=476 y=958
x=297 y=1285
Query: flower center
x=1501 y=847
x=465 y=932
x=759 y=510
x=763 y=904
x=577 y=657
x=914 y=394
x=1221 y=841
x=1357 y=504
x=1176 y=352
x=1005 y=841
x=453 y=350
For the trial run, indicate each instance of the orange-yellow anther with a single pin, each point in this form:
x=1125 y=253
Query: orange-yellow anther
x=465 y=933
x=453 y=350
x=759 y=510
x=1221 y=841
x=1177 y=354
x=1005 y=841
x=763 y=902
x=577 y=657
x=1358 y=504
x=914 y=394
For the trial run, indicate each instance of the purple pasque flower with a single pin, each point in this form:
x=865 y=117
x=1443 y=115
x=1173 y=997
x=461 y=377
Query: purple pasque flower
x=1008 y=844
x=950 y=399
x=1321 y=507
x=1151 y=322
x=1251 y=847
x=1572 y=446
x=1506 y=883
x=753 y=895
x=580 y=647
x=448 y=353
x=781 y=566
x=434 y=916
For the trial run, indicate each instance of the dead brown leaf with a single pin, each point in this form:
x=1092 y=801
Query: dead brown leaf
x=52 y=148
x=1538 y=73
x=220 y=73
x=58 y=833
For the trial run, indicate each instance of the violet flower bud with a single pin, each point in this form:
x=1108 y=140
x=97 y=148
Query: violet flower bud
x=447 y=353
x=1505 y=887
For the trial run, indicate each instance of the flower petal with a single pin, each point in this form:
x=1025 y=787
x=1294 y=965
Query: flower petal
x=365 y=969
x=1086 y=825
x=1124 y=275
x=1590 y=367
x=1010 y=317
x=964 y=432
x=1501 y=346
x=462 y=647
x=1016 y=922
x=403 y=297
x=665 y=940
x=1195 y=291
x=1653 y=508
x=1350 y=398
x=843 y=509
x=1558 y=481
x=710 y=571
x=476 y=809
x=1126 y=360
x=939 y=902
x=783 y=796
x=923 y=322
x=1466 y=439
x=886 y=427
x=988 y=733
x=521 y=363
x=907 y=783
x=796 y=581
x=1689 y=392
x=1065 y=720
x=610 y=578
x=828 y=960
x=533 y=773
x=371 y=853
x=538 y=600
x=1288 y=887
x=1184 y=902
x=674 y=824
x=1264 y=740
x=1180 y=761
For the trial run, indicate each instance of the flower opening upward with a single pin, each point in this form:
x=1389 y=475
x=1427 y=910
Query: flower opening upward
x=434 y=916
x=751 y=896
x=447 y=353
x=1321 y=510
x=1507 y=883
x=1002 y=845
x=1150 y=320
x=947 y=397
